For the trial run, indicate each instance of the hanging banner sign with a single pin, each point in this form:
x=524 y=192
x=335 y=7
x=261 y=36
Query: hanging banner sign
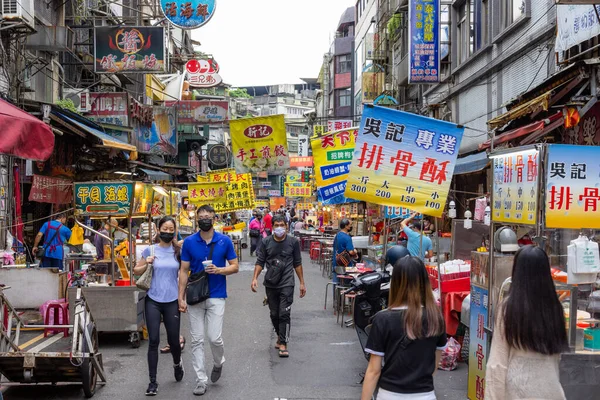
x=301 y=161
x=403 y=159
x=338 y=125
x=572 y=187
x=260 y=144
x=161 y=136
x=109 y=108
x=200 y=112
x=576 y=24
x=478 y=344
x=397 y=212
x=142 y=199
x=188 y=14
x=103 y=198
x=516 y=187
x=46 y=189
x=424 y=41
x=332 y=157
x=239 y=191
x=297 y=189
x=207 y=192
x=129 y=49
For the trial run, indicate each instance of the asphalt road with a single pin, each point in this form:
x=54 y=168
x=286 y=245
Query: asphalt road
x=325 y=359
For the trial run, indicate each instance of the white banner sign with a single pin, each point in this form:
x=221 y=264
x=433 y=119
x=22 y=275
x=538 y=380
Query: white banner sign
x=576 y=24
x=303 y=145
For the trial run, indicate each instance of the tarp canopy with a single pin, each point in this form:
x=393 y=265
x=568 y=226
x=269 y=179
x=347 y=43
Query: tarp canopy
x=156 y=175
x=473 y=163
x=23 y=135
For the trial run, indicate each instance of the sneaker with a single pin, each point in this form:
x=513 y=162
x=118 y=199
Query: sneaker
x=200 y=389
x=178 y=369
x=216 y=374
x=152 y=389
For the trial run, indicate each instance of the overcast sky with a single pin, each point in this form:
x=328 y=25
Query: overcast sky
x=266 y=42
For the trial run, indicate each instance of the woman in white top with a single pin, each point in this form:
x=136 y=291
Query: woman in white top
x=529 y=334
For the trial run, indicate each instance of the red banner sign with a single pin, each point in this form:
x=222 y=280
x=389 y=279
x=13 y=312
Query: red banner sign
x=301 y=161
x=47 y=189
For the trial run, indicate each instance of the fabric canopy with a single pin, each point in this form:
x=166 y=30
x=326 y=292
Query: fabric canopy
x=473 y=163
x=23 y=135
x=105 y=139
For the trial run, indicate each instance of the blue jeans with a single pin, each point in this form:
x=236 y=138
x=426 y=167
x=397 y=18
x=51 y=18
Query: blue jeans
x=48 y=262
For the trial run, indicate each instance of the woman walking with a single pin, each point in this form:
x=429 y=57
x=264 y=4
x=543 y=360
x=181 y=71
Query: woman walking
x=257 y=232
x=529 y=334
x=406 y=340
x=161 y=299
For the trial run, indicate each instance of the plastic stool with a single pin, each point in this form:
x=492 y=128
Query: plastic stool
x=63 y=308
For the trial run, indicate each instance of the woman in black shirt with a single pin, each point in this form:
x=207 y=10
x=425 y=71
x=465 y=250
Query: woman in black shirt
x=406 y=340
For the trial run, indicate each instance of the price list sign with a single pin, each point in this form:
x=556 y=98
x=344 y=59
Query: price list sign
x=403 y=160
x=516 y=187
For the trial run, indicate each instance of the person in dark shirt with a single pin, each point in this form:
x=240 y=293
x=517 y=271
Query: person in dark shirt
x=280 y=254
x=342 y=242
x=406 y=339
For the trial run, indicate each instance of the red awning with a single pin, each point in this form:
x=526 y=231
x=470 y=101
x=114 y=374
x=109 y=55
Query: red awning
x=522 y=131
x=23 y=135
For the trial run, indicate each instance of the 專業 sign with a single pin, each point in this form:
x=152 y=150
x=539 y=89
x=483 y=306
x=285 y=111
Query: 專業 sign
x=516 y=187
x=129 y=49
x=572 y=187
x=188 y=14
x=332 y=155
x=103 y=198
x=424 y=41
x=403 y=160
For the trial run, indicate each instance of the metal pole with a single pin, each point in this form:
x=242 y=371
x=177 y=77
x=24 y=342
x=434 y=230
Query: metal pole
x=131 y=255
x=385 y=237
x=421 y=240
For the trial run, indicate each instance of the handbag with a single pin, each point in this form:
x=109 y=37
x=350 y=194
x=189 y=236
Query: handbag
x=254 y=232
x=144 y=281
x=342 y=259
x=197 y=289
x=41 y=251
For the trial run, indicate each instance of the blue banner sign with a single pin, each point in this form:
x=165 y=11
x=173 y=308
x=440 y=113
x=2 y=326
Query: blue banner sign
x=424 y=36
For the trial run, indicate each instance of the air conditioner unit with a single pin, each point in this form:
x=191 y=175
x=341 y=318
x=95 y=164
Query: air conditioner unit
x=80 y=98
x=18 y=11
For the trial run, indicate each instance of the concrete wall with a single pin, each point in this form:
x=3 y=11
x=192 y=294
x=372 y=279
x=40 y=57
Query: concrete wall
x=363 y=26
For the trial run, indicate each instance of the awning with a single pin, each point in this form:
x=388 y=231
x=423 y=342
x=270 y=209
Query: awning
x=23 y=135
x=540 y=103
x=105 y=139
x=473 y=163
x=156 y=175
x=522 y=131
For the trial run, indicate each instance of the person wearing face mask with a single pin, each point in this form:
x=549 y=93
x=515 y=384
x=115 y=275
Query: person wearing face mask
x=205 y=245
x=161 y=299
x=280 y=254
x=342 y=242
x=257 y=232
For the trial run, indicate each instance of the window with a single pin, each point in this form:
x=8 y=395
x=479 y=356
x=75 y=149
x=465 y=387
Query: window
x=511 y=11
x=344 y=64
x=344 y=98
x=464 y=37
x=472 y=28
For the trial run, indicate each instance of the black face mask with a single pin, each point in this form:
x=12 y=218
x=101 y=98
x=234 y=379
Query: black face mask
x=166 y=237
x=350 y=228
x=205 y=225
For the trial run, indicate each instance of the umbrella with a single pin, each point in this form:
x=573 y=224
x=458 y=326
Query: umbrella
x=23 y=135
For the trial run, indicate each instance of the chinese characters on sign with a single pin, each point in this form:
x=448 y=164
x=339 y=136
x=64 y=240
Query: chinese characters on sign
x=239 y=191
x=478 y=342
x=516 y=187
x=109 y=108
x=572 y=190
x=203 y=73
x=200 y=112
x=103 y=198
x=130 y=49
x=207 y=192
x=403 y=159
x=297 y=189
x=424 y=37
x=188 y=14
x=260 y=144
x=46 y=189
x=301 y=161
x=338 y=125
x=318 y=130
x=332 y=157
x=577 y=23
x=303 y=145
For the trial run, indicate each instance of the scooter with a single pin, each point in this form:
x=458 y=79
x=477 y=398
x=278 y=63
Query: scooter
x=372 y=291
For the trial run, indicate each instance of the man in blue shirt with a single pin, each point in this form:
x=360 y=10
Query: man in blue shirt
x=54 y=233
x=342 y=241
x=207 y=314
x=414 y=235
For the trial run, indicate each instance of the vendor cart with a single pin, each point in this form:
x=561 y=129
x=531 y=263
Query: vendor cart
x=56 y=358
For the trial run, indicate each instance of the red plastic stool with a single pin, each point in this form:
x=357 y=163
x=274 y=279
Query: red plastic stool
x=63 y=308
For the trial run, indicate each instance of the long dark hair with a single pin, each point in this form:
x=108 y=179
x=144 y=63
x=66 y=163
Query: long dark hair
x=410 y=288
x=533 y=316
x=176 y=247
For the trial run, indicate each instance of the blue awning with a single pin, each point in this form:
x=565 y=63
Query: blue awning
x=473 y=163
x=156 y=175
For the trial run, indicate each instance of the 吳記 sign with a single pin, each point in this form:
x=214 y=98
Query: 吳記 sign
x=129 y=49
x=200 y=112
x=103 y=198
x=188 y=14
x=424 y=41
x=403 y=160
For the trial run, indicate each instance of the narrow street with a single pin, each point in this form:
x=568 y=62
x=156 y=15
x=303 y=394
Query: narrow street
x=325 y=359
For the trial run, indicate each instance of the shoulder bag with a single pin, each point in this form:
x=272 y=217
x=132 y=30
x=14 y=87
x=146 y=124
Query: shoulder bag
x=275 y=265
x=342 y=259
x=145 y=281
x=41 y=252
x=197 y=289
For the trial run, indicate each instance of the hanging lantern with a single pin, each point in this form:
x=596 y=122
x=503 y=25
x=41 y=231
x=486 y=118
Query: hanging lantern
x=487 y=218
x=468 y=222
x=452 y=209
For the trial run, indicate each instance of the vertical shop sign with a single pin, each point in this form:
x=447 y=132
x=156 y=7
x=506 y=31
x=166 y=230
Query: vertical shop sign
x=403 y=160
x=332 y=156
x=260 y=144
x=303 y=145
x=103 y=198
x=516 y=187
x=478 y=345
x=188 y=14
x=572 y=187
x=424 y=37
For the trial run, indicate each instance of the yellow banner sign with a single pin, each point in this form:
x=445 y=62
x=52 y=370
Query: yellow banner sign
x=297 y=189
x=206 y=192
x=304 y=206
x=261 y=203
x=239 y=190
x=260 y=144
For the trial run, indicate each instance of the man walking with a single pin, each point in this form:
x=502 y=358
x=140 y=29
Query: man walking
x=54 y=233
x=208 y=315
x=414 y=235
x=280 y=254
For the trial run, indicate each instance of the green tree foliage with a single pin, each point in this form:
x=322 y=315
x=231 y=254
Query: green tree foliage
x=239 y=93
x=67 y=104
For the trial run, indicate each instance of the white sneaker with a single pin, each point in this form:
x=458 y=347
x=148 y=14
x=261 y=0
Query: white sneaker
x=200 y=389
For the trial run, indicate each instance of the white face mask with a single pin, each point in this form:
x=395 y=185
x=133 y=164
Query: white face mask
x=279 y=231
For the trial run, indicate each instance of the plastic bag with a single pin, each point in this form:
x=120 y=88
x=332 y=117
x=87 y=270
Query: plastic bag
x=449 y=361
